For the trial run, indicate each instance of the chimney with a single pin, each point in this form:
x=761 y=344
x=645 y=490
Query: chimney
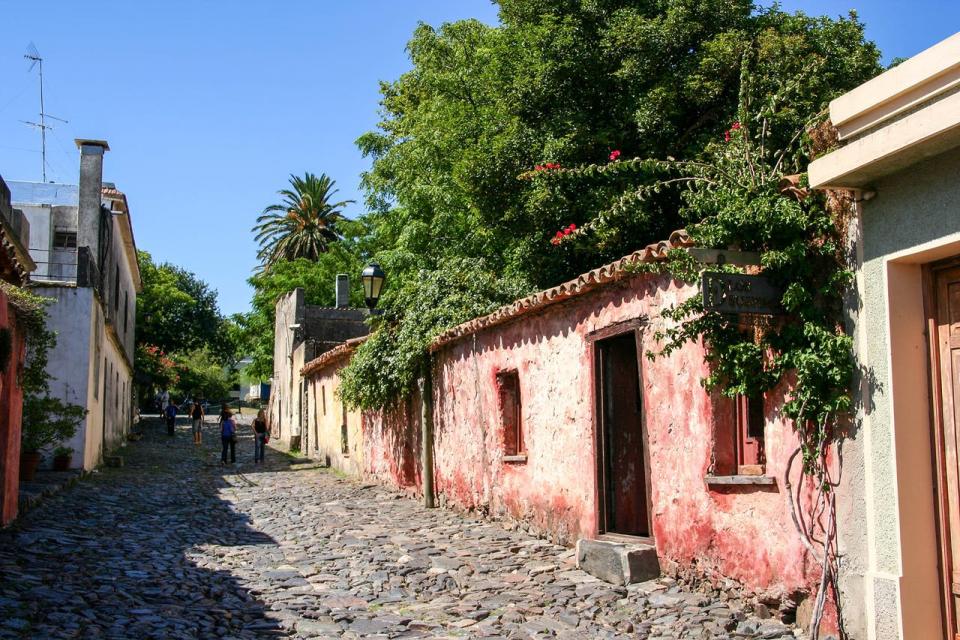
x=91 y=184
x=343 y=291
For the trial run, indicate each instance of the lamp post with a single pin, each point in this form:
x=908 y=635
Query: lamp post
x=373 y=279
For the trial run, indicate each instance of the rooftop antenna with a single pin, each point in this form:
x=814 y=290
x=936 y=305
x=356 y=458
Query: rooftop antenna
x=36 y=61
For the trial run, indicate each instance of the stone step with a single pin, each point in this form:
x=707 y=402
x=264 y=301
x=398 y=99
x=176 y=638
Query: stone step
x=616 y=562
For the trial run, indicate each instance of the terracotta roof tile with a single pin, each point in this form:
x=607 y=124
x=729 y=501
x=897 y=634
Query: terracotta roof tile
x=583 y=283
x=343 y=350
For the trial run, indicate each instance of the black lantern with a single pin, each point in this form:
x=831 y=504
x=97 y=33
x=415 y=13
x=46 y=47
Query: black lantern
x=372 y=278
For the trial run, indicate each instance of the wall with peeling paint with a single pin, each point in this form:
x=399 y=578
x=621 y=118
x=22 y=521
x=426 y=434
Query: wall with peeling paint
x=391 y=445
x=744 y=533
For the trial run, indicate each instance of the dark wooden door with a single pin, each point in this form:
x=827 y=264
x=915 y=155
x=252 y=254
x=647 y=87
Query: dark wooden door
x=946 y=357
x=620 y=421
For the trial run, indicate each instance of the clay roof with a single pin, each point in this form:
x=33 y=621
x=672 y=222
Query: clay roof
x=118 y=204
x=341 y=351
x=19 y=258
x=583 y=283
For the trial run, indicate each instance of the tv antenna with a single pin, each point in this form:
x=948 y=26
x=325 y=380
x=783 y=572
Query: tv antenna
x=36 y=61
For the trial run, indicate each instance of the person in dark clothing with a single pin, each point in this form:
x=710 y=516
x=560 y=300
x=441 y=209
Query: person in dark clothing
x=259 y=436
x=228 y=437
x=196 y=414
x=171 y=413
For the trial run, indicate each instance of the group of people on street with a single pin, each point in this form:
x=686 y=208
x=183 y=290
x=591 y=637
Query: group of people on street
x=228 y=428
x=228 y=436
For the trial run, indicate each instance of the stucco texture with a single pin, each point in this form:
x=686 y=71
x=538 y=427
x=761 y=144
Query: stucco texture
x=744 y=533
x=888 y=526
x=325 y=420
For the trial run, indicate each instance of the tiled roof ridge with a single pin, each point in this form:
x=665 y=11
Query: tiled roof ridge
x=327 y=357
x=656 y=252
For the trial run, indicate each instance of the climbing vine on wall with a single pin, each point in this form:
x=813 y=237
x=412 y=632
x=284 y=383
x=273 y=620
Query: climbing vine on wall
x=46 y=419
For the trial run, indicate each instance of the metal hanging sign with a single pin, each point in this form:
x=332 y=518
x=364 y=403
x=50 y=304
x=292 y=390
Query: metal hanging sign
x=735 y=294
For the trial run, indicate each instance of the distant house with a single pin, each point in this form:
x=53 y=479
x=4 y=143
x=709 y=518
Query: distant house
x=15 y=266
x=82 y=242
x=301 y=333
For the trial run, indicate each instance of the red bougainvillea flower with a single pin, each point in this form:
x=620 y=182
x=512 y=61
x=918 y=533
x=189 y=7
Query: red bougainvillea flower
x=614 y=155
x=572 y=227
x=539 y=167
x=735 y=126
x=726 y=136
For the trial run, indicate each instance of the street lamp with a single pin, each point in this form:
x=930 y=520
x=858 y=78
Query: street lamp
x=373 y=279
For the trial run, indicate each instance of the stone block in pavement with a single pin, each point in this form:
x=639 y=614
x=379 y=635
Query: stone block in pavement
x=618 y=563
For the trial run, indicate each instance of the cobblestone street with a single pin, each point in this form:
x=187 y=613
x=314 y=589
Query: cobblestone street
x=173 y=546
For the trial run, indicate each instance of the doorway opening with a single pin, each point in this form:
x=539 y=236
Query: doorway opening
x=621 y=464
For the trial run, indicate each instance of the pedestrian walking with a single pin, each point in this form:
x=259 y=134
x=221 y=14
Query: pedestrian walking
x=228 y=436
x=196 y=413
x=259 y=436
x=171 y=413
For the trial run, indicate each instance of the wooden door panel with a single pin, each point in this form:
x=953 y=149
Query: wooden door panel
x=946 y=374
x=621 y=420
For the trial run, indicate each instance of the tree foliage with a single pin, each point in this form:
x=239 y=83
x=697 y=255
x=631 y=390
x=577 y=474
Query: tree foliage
x=177 y=311
x=180 y=332
x=386 y=366
x=303 y=224
x=316 y=277
x=563 y=87
x=567 y=83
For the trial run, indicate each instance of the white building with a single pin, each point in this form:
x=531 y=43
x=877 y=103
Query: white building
x=82 y=241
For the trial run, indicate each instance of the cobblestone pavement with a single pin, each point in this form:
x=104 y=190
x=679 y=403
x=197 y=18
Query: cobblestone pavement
x=173 y=546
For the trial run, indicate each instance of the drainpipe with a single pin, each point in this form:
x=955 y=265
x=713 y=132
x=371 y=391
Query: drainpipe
x=425 y=383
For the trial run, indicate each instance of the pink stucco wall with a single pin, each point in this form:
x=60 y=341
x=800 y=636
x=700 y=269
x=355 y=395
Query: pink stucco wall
x=391 y=445
x=11 y=405
x=743 y=533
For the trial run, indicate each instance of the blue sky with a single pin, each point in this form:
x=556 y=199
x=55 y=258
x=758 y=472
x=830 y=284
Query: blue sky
x=209 y=106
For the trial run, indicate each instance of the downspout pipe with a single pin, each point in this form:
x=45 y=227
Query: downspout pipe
x=425 y=383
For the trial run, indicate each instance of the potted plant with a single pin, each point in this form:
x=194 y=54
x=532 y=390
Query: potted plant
x=46 y=421
x=61 y=458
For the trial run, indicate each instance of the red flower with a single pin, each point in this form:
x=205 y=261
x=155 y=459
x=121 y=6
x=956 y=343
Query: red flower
x=735 y=126
x=614 y=155
x=726 y=136
x=572 y=227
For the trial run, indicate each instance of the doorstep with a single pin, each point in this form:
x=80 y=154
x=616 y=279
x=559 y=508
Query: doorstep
x=619 y=563
x=44 y=484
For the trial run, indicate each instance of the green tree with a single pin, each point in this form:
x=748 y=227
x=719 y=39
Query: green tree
x=560 y=86
x=177 y=311
x=202 y=374
x=303 y=224
x=316 y=277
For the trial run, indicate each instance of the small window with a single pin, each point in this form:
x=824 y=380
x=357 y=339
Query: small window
x=750 y=430
x=116 y=291
x=344 y=435
x=511 y=427
x=64 y=239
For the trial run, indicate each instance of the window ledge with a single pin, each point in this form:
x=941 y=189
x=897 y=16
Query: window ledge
x=522 y=457
x=740 y=480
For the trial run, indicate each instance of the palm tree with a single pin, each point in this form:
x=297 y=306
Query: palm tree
x=304 y=224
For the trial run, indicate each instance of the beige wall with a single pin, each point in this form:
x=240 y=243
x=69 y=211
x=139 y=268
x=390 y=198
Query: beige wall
x=287 y=363
x=325 y=416
x=888 y=522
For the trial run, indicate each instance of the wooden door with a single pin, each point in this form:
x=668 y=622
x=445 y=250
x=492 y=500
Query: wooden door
x=620 y=420
x=945 y=357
